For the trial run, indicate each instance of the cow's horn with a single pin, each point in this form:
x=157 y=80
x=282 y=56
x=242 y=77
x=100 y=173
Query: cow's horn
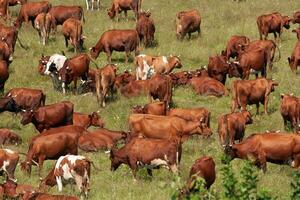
x=37 y=164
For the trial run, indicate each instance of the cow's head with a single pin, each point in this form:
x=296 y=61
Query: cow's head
x=42 y=67
x=231 y=152
x=247 y=116
x=144 y=14
x=26 y=167
x=27 y=117
x=175 y=62
x=15 y=139
x=94 y=52
x=96 y=120
x=8 y=104
x=115 y=160
x=234 y=70
x=202 y=129
x=138 y=109
x=111 y=12
x=10 y=188
x=272 y=85
x=286 y=22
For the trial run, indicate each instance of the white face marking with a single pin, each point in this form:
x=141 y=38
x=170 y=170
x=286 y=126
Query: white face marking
x=142 y=55
x=165 y=60
x=9 y=151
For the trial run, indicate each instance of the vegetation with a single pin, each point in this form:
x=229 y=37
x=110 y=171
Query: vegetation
x=220 y=20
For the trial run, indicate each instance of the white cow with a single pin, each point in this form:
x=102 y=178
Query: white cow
x=92 y=2
x=55 y=63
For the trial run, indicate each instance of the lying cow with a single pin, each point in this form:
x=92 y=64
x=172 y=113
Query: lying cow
x=44 y=196
x=233 y=45
x=9 y=137
x=135 y=88
x=187 y=22
x=294 y=60
x=85 y=120
x=53 y=115
x=149 y=153
x=290 y=110
x=232 y=127
x=9 y=160
x=248 y=92
x=208 y=86
x=14 y=190
x=155 y=108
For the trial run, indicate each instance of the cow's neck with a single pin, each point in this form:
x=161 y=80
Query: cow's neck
x=189 y=126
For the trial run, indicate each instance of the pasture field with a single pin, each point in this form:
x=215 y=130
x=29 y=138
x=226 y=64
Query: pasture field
x=220 y=20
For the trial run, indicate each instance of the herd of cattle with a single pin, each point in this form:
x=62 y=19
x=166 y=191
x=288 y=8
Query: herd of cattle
x=156 y=131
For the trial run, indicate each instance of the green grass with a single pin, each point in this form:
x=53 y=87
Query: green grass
x=220 y=20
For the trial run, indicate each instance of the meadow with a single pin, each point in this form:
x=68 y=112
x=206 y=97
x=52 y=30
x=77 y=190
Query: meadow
x=220 y=20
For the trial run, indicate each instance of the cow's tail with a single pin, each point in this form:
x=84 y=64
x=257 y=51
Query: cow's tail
x=77 y=36
x=83 y=18
x=234 y=97
x=227 y=142
x=279 y=53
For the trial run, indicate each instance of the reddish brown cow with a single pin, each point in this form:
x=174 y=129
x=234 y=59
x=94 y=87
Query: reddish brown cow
x=233 y=45
x=145 y=28
x=248 y=92
x=54 y=115
x=62 y=13
x=14 y=190
x=43 y=23
x=160 y=87
x=294 y=60
x=116 y=40
x=30 y=10
x=208 y=86
x=155 y=108
x=8 y=162
x=4 y=11
x=232 y=127
x=4 y=74
x=10 y=36
x=123 y=5
x=183 y=77
x=296 y=18
x=5 y=52
x=85 y=120
x=72 y=30
x=188 y=22
x=142 y=152
x=271 y=147
x=135 y=88
x=18 y=99
x=44 y=196
x=16 y=2
x=123 y=79
x=297 y=31
x=9 y=137
x=290 y=110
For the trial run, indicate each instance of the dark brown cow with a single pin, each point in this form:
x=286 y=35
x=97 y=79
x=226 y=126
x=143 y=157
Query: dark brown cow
x=9 y=137
x=208 y=86
x=117 y=40
x=271 y=147
x=18 y=99
x=233 y=45
x=135 y=88
x=155 y=108
x=145 y=28
x=73 y=68
x=54 y=115
x=160 y=87
x=16 y=2
x=232 y=127
x=85 y=120
x=4 y=11
x=290 y=110
x=62 y=13
x=248 y=92
x=296 y=18
x=272 y=23
x=72 y=30
x=297 y=31
x=4 y=74
x=14 y=190
x=43 y=23
x=294 y=60
x=105 y=80
x=187 y=22
x=123 y=5
x=5 y=52
x=8 y=162
x=144 y=152
x=165 y=127
x=44 y=196
x=30 y=10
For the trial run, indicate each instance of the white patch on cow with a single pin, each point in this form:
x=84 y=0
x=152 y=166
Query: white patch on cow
x=5 y=164
x=57 y=60
x=174 y=168
x=158 y=162
x=146 y=70
x=9 y=151
x=74 y=158
x=59 y=183
x=165 y=60
x=252 y=71
x=293 y=164
x=177 y=157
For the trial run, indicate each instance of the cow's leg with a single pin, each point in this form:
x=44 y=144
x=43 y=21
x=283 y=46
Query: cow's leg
x=174 y=169
x=262 y=162
x=92 y=1
x=149 y=171
x=75 y=85
x=189 y=34
x=127 y=53
x=66 y=42
x=233 y=105
x=133 y=166
x=108 y=54
x=125 y=13
x=266 y=104
x=257 y=108
x=87 y=4
x=59 y=183
x=199 y=31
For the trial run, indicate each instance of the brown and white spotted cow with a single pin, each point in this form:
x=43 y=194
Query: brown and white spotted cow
x=8 y=162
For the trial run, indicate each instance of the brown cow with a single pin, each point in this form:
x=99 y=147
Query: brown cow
x=8 y=162
x=145 y=28
x=30 y=10
x=62 y=13
x=9 y=137
x=183 y=77
x=16 y=2
x=160 y=87
x=10 y=36
x=123 y=5
x=297 y=31
x=290 y=110
x=296 y=18
x=208 y=86
x=43 y=23
x=271 y=147
x=135 y=88
x=124 y=78
x=5 y=52
x=144 y=152
x=4 y=10
x=248 y=92
x=233 y=45
x=54 y=115
x=105 y=80
x=232 y=127
x=272 y=23
x=85 y=120
x=14 y=190
x=187 y=22
x=118 y=40
x=44 y=196
x=155 y=108
x=294 y=60
x=165 y=127
x=4 y=74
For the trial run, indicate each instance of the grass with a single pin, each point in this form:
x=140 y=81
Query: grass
x=220 y=20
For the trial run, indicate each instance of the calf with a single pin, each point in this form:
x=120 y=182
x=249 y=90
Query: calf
x=4 y=11
x=149 y=153
x=233 y=45
x=248 y=92
x=63 y=13
x=297 y=31
x=43 y=23
x=155 y=108
x=232 y=127
x=294 y=60
x=160 y=87
x=9 y=137
x=290 y=109
x=8 y=162
x=123 y=5
x=208 y=86
x=53 y=115
x=187 y=22
x=14 y=190
x=116 y=40
x=4 y=74
x=145 y=28
x=85 y=120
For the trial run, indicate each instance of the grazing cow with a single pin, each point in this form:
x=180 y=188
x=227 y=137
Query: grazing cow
x=296 y=18
x=208 y=86
x=54 y=115
x=72 y=30
x=105 y=80
x=290 y=110
x=4 y=11
x=146 y=66
x=43 y=23
x=44 y=196
x=8 y=162
x=294 y=60
x=233 y=45
x=297 y=31
x=123 y=5
x=18 y=99
x=60 y=14
x=232 y=127
x=270 y=147
x=116 y=40
x=73 y=68
x=145 y=28
x=135 y=88
x=4 y=74
x=248 y=92
x=9 y=137
x=85 y=120
x=90 y=4
x=16 y=2
x=160 y=87
x=155 y=108
x=14 y=190
x=149 y=153
x=51 y=64
x=188 y=22
x=272 y=23
x=30 y=10
x=165 y=127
